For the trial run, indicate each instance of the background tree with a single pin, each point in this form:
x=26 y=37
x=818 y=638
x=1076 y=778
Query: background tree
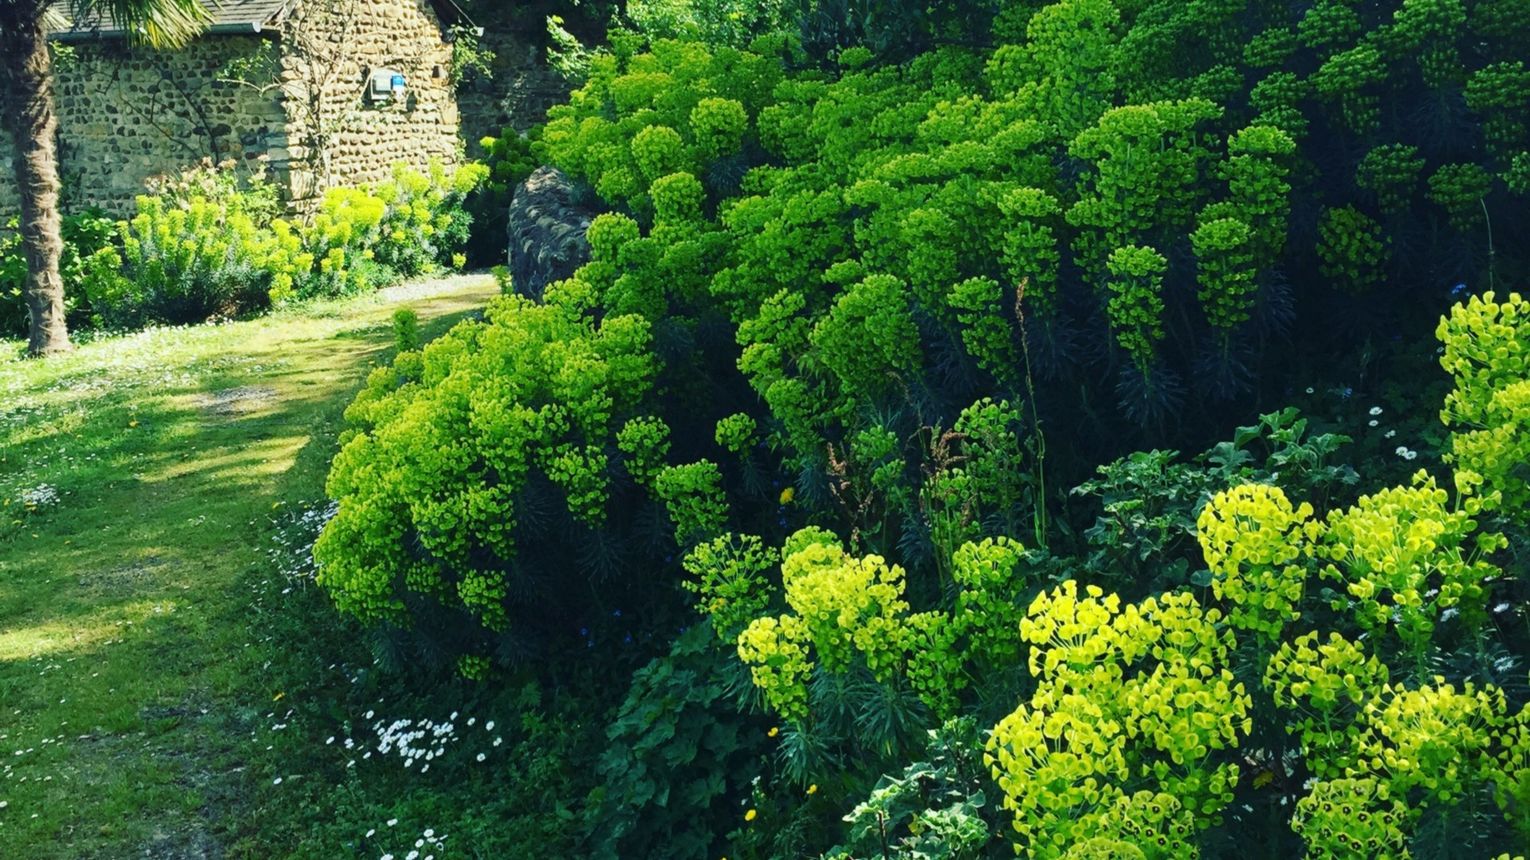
x=26 y=103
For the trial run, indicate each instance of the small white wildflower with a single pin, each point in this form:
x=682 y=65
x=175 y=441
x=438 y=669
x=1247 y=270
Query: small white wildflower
x=277 y=781
x=489 y=726
x=371 y=833
x=498 y=741
x=481 y=756
x=1309 y=389
x=429 y=832
x=1375 y=410
x=1374 y=422
x=1391 y=433
x=392 y=821
x=1449 y=613
x=1402 y=451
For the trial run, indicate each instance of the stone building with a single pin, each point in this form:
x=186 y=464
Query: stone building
x=316 y=93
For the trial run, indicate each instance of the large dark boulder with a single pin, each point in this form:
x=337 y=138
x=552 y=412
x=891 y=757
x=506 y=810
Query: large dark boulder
x=546 y=232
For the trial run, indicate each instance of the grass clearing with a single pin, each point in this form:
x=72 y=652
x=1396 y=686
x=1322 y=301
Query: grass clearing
x=139 y=480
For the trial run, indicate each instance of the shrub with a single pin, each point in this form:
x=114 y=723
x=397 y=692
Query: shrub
x=509 y=161
x=89 y=267
x=931 y=288
x=188 y=260
x=406 y=330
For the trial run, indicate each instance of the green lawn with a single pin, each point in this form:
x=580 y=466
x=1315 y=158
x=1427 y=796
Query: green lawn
x=143 y=655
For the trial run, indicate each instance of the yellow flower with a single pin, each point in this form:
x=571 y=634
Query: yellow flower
x=788 y=494
x=750 y=815
x=133 y=423
x=813 y=789
x=774 y=730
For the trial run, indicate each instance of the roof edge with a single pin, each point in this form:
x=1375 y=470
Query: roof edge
x=244 y=28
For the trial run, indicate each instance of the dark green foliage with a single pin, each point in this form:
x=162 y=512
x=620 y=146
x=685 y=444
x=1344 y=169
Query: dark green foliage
x=1143 y=539
x=406 y=330
x=678 y=757
x=936 y=809
x=508 y=157
x=89 y=268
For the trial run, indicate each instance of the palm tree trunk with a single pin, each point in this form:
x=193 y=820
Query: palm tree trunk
x=27 y=74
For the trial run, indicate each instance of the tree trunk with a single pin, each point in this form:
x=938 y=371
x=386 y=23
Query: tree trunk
x=27 y=75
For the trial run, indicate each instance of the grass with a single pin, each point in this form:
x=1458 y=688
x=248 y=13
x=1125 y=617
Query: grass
x=143 y=662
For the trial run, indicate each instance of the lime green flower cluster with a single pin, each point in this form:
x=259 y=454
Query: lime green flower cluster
x=1125 y=695
x=693 y=494
x=1351 y=80
x=677 y=199
x=1256 y=171
x=206 y=256
x=658 y=150
x=776 y=651
x=1391 y=173
x=853 y=611
x=988 y=608
x=645 y=442
x=718 y=126
x=868 y=339
x=990 y=431
x=1326 y=684
x=1136 y=302
x=1276 y=99
x=1461 y=190
x=1427 y=31
x=1403 y=557
x=1103 y=848
x=729 y=581
x=343 y=236
x=1030 y=246
x=848 y=606
x=1511 y=772
x=1351 y=248
x=1147 y=160
x=987 y=334
x=1225 y=254
x=736 y=434
x=1487 y=351
x=1076 y=42
x=1256 y=544
x=1434 y=742
x=1328 y=23
x=640 y=117
x=430 y=489
x=1352 y=819
x=1157 y=825
x=1496 y=91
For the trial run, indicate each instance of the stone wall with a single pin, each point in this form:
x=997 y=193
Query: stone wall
x=128 y=114
x=517 y=96
x=337 y=135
